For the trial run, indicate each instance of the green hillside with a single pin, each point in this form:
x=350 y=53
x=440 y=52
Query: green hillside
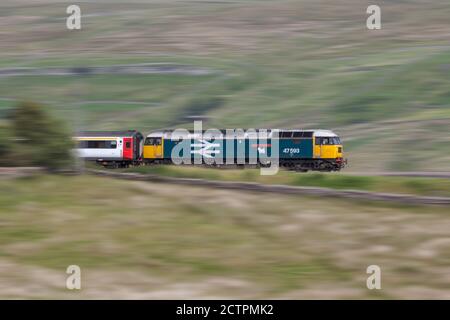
x=296 y=64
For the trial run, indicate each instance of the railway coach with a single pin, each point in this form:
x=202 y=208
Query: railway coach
x=300 y=150
x=112 y=149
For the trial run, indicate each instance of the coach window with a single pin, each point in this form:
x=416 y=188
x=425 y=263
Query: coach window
x=93 y=144
x=113 y=144
x=128 y=144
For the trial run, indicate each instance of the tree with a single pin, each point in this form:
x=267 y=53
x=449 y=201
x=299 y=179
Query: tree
x=6 y=145
x=41 y=140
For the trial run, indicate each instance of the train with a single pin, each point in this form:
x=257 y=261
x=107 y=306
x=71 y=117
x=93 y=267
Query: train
x=299 y=150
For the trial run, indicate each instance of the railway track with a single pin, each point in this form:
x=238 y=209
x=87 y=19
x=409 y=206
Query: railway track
x=257 y=187
x=279 y=189
x=411 y=174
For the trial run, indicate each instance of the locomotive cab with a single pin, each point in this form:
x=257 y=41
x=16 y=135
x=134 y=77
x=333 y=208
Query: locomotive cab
x=154 y=147
x=328 y=147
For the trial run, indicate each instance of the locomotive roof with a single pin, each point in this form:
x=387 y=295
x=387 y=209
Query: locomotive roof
x=317 y=132
x=324 y=133
x=127 y=133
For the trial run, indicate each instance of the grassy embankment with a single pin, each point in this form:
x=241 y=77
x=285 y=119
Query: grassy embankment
x=142 y=240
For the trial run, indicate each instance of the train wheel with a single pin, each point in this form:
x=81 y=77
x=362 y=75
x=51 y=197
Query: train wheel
x=112 y=165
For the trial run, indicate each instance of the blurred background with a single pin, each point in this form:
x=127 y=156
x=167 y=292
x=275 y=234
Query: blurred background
x=148 y=65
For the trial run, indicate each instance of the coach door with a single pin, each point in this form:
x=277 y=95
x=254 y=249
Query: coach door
x=128 y=148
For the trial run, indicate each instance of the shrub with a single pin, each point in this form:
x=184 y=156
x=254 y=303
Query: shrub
x=39 y=139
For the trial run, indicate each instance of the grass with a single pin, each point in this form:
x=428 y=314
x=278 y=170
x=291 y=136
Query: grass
x=409 y=185
x=263 y=246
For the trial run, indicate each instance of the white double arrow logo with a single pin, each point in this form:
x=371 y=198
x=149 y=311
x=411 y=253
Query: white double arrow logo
x=205 y=148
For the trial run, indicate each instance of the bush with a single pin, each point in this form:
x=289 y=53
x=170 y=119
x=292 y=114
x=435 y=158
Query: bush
x=37 y=138
x=6 y=145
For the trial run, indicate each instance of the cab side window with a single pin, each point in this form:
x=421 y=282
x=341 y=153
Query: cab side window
x=153 y=141
x=327 y=141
